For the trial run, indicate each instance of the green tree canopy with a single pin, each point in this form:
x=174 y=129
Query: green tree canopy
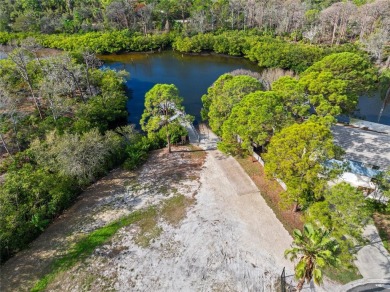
x=162 y=103
x=226 y=91
x=345 y=211
x=255 y=119
x=334 y=83
x=293 y=96
x=383 y=183
x=316 y=249
x=29 y=197
x=296 y=155
x=81 y=157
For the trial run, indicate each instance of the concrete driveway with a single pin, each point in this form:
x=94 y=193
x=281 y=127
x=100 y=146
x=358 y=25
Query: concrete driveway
x=373 y=260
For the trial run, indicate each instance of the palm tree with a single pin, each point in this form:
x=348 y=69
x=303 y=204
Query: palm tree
x=315 y=249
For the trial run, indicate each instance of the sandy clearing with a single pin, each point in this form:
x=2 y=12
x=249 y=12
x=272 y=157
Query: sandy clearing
x=230 y=240
x=219 y=246
x=117 y=194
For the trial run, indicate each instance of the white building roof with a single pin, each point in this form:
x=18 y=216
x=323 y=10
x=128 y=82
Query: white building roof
x=356 y=180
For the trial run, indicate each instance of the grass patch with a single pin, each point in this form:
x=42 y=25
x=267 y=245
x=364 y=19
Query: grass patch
x=88 y=282
x=148 y=235
x=85 y=246
x=174 y=209
x=165 y=190
x=148 y=229
x=271 y=191
x=342 y=275
x=197 y=152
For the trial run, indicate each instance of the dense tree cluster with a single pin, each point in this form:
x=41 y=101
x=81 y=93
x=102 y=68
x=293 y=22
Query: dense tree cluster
x=331 y=20
x=107 y=42
x=57 y=122
x=344 y=210
x=267 y=51
x=334 y=83
x=315 y=22
x=295 y=143
x=226 y=91
x=62 y=125
x=254 y=119
x=297 y=156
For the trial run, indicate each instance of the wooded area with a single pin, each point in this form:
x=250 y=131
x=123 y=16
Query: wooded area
x=63 y=117
x=63 y=124
x=314 y=22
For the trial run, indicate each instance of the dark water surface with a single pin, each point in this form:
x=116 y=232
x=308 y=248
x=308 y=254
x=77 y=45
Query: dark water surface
x=369 y=107
x=192 y=75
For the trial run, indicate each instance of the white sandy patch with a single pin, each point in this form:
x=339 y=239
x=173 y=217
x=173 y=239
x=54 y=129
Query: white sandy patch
x=218 y=247
x=230 y=241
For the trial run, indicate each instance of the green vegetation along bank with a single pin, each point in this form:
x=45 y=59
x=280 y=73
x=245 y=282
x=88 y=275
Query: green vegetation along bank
x=63 y=124
x=266 y=51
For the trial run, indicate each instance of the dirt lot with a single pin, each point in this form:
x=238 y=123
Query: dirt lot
x=116 y=195
x=226 y=238
x=227 y=242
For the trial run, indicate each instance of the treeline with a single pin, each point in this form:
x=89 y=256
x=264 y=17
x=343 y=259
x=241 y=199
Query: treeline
x=267 y=51
x=63 y=124
x=57 y=118
x=108 y=42
x=295 y=142
x=97 y=42
x=321 y=22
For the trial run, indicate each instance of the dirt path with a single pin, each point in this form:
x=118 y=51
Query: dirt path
x=230 y=241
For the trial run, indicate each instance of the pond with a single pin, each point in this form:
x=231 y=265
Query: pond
x=193 y=74
x=369 y=107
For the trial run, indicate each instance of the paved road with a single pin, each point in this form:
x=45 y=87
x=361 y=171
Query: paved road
x=237 y=194
x=371 y=288
x=366 y=285
x=373 y=260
